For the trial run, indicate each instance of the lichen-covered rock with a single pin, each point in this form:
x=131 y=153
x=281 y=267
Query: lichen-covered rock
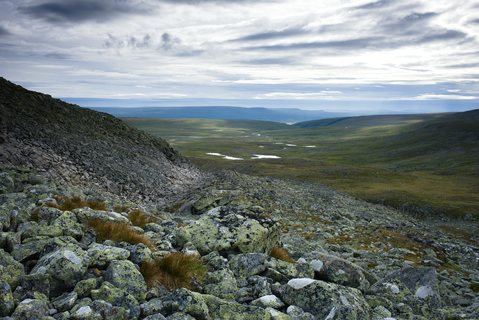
x=29 y=251
x=68 y=223
x=139 y=253
x=31 y=309
x=117 y=297
x=221 y=283
x=229 y=231
x=7 y=303
x=109 y=311
x=84 y=287
x=64 y=266
x=333 y=269
x=186 y=301
x=65 y=301
x=278 y=315
x=124 y=275
x=230 y=310
x=100 y=255
x=85 y=214
x=281 y=271
x=416 y=287
x=248 y=264
x=152 y=307
x=325 y=300
x=296 y=313
x=10 y=269
x=270 y=301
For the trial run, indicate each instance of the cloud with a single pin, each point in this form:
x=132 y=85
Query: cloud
x=374 y=5
x=268 y=61
x=298 y=95
x=271 y=35
x=129 y=42
x=351 y=44
x=4 y=32
x=75 y=11
x=168 y=41
x=221 y=2
x=432 y=96
x=443 y=36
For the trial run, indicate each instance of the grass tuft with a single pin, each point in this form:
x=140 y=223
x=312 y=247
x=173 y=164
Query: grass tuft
x=119 y=208
x=139 y=219
x=175 y=270
x=68 y=204
x=118 y=232
x=281 y=254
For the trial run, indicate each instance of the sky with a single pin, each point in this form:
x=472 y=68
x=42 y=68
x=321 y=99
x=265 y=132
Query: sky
x=361 y=56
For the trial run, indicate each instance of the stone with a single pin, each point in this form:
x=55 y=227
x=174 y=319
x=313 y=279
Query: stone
x=325 y=300
x=140 y=253
x=288 y=270
x=68 y=223
x=229 y=231
x=186 y=301
x=270 y=301
x=100 y=256
x=108 y=311
x=124 y=275
x=231 y=310
x=65 y=302
x=416 y=287
x=10 y=269
x=221 y=283
x=7 y=303
x=31 y=309
x=152 y=307
x=248 y=264
x=84 y=287
x=333 y=269
x=64 y=266
x=117 y=297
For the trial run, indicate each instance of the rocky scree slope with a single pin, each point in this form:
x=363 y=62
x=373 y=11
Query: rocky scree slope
x=80 y=146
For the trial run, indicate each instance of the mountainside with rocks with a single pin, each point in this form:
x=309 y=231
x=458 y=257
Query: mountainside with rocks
x=65 y=177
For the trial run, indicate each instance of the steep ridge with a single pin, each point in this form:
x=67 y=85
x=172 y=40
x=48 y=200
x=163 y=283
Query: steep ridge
x=82 y=146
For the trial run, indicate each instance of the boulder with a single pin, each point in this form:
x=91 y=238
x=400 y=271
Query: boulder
x=10 y=269
x=116 y=296
x=325 y=300
x=282 y=271
x=84 y=287
x=333 y=269
x=229 y=231
x=31 y=309
x=186 y=301
x=7 y=303
x=221 y=283
x=123 y=274
x=230 y=310
x=248 y=264
x=68 y=223
x=416 y=287
x=101 y=255
x=64 y=266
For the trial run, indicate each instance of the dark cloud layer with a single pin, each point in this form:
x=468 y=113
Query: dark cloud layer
x=272 y=35
x=352 y=44
x=81 y=10
x=4 y=32
x=222 y=2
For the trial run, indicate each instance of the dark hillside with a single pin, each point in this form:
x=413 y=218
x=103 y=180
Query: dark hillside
x=370 y=121
x=82 y=146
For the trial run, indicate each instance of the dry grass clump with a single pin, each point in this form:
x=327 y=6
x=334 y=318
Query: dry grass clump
x=118 y=232
x=281 y=254
x=139 y=219
x=68 y=204
x=176 y=270
x=119 y=208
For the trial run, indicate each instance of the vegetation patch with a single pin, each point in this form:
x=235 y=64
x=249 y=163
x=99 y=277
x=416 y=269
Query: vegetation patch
x=281 y=254
x=173 y=271
x=118 y=232
x=68 y=204
x=139 y=218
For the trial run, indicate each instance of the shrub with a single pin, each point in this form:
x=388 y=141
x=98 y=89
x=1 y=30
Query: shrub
x=118 y=232
x=175 y=270
x=139 y=219
x=68 y=204
x=281 y=254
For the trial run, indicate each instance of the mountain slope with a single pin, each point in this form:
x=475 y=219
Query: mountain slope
x=82 y=146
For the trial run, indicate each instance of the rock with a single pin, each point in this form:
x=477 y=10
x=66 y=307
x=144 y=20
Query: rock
x=7 y=303
x=100 y=256
x=152 y=307
x=85 y=214
x=64 y=266
x=416 y=287
x=117 y=297
x=65 y=301
x=108 y=311
x=186 y=301
x=228 y=231
x=31 y=309
x=277 y=315
x=140 y=253
x=333 y=269
x=29 y=251
x=84 y=287
x=10 y=269
x=297 y=313
x=124 y=275
x=230 y=310
x=270 y=301
x=325 y=300
x=247 y=265
x=282 y=271
x=68 y=223
x=221 y=283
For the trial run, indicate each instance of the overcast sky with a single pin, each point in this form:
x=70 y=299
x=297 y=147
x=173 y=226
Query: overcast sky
x=334 y=55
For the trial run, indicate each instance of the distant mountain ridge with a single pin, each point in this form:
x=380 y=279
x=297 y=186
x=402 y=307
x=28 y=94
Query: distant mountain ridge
x=288 y=115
